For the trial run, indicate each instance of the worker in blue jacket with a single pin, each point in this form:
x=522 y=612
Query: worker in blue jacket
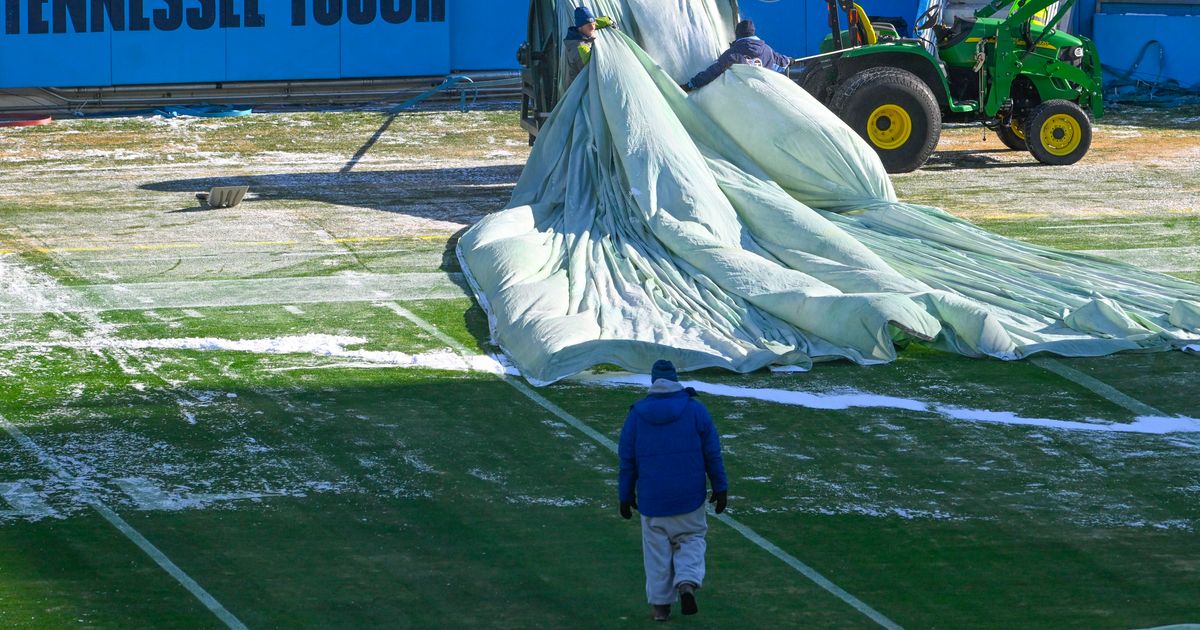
x=669 y=445
x=747 y=48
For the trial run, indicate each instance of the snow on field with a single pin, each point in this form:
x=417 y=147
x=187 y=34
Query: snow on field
x=316 y=344
x=840 y=401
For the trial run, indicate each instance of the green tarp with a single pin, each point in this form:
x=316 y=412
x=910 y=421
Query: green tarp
x=745 y=226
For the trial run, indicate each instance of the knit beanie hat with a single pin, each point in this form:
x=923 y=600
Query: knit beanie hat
x=583 y=15
x=663 y=369
x=745 y=28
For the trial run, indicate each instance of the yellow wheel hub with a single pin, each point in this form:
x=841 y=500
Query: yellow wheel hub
x=1061 y=134
x=889 y=126
x=1015 y=127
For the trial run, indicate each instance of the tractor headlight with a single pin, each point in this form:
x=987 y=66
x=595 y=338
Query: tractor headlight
x=1072 y=55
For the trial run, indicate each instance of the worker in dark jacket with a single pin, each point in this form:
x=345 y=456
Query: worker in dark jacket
x=669 y=445
x=747 y=48
x=577 y=45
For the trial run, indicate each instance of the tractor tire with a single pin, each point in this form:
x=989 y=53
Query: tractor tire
x=895 y=112
x=1058 y=132
x=1013 y=135
x=817 y=81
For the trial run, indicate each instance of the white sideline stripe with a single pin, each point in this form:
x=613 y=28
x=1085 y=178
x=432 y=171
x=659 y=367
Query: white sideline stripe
x=1105 y=390
x=125 y=528
x=603 y=440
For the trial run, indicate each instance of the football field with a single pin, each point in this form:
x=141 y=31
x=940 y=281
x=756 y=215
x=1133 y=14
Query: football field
x=288 y=414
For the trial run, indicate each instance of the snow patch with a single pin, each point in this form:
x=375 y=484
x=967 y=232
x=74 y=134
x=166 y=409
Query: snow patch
x=548 y=501
x=1151 y=425
x=329 y=346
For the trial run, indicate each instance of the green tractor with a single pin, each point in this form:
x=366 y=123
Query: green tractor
x=1019 y=75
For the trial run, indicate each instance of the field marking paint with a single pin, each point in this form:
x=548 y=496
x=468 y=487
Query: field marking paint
x=293 y=309
x=1105 y=390
x=50 y=463
x=603 y=440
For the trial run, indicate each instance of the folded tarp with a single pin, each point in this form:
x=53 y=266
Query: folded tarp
x=745 y=226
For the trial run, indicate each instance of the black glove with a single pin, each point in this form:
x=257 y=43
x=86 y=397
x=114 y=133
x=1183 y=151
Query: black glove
x=626 y=512
x=720 y=498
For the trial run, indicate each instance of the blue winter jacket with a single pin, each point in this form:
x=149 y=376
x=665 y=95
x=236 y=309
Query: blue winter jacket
x=744 y=50
x=668 y=445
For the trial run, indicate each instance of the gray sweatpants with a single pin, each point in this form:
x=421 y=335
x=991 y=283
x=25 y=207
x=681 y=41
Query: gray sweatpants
x=673 y=551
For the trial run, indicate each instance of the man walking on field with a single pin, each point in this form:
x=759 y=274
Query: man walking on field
x=669 y=445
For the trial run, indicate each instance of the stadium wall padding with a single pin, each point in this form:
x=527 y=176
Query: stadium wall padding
x=88 y=43
x=91 y=43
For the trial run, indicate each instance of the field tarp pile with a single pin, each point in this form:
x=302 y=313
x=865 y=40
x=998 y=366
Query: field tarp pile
x=745 y=226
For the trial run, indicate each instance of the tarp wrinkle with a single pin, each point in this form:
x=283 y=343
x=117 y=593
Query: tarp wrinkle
x=745 y=226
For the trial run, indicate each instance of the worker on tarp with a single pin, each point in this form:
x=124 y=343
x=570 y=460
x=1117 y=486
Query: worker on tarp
x=747 y=48
x=577 y=45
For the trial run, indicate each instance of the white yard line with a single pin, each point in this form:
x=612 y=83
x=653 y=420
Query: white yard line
x=599 y=438
x=53 y=465
x=1105 y=390
x=30 y=285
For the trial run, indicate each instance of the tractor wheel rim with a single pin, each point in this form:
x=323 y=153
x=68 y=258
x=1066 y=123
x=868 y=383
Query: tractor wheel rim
x=1061 y=134
x=889 y=126
x=1015 y=127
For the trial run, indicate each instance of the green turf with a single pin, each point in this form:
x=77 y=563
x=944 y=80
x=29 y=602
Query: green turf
x=313 y=490
x=1142 y=232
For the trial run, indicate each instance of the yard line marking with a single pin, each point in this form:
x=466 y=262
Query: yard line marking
x=1105 y=390
x=49 y=462
x=746 y=532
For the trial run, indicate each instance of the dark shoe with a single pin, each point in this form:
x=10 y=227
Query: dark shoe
x=662 y=612
x=687 y=598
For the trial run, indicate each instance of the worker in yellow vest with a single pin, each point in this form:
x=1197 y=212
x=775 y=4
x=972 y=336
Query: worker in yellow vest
x=577 y=45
